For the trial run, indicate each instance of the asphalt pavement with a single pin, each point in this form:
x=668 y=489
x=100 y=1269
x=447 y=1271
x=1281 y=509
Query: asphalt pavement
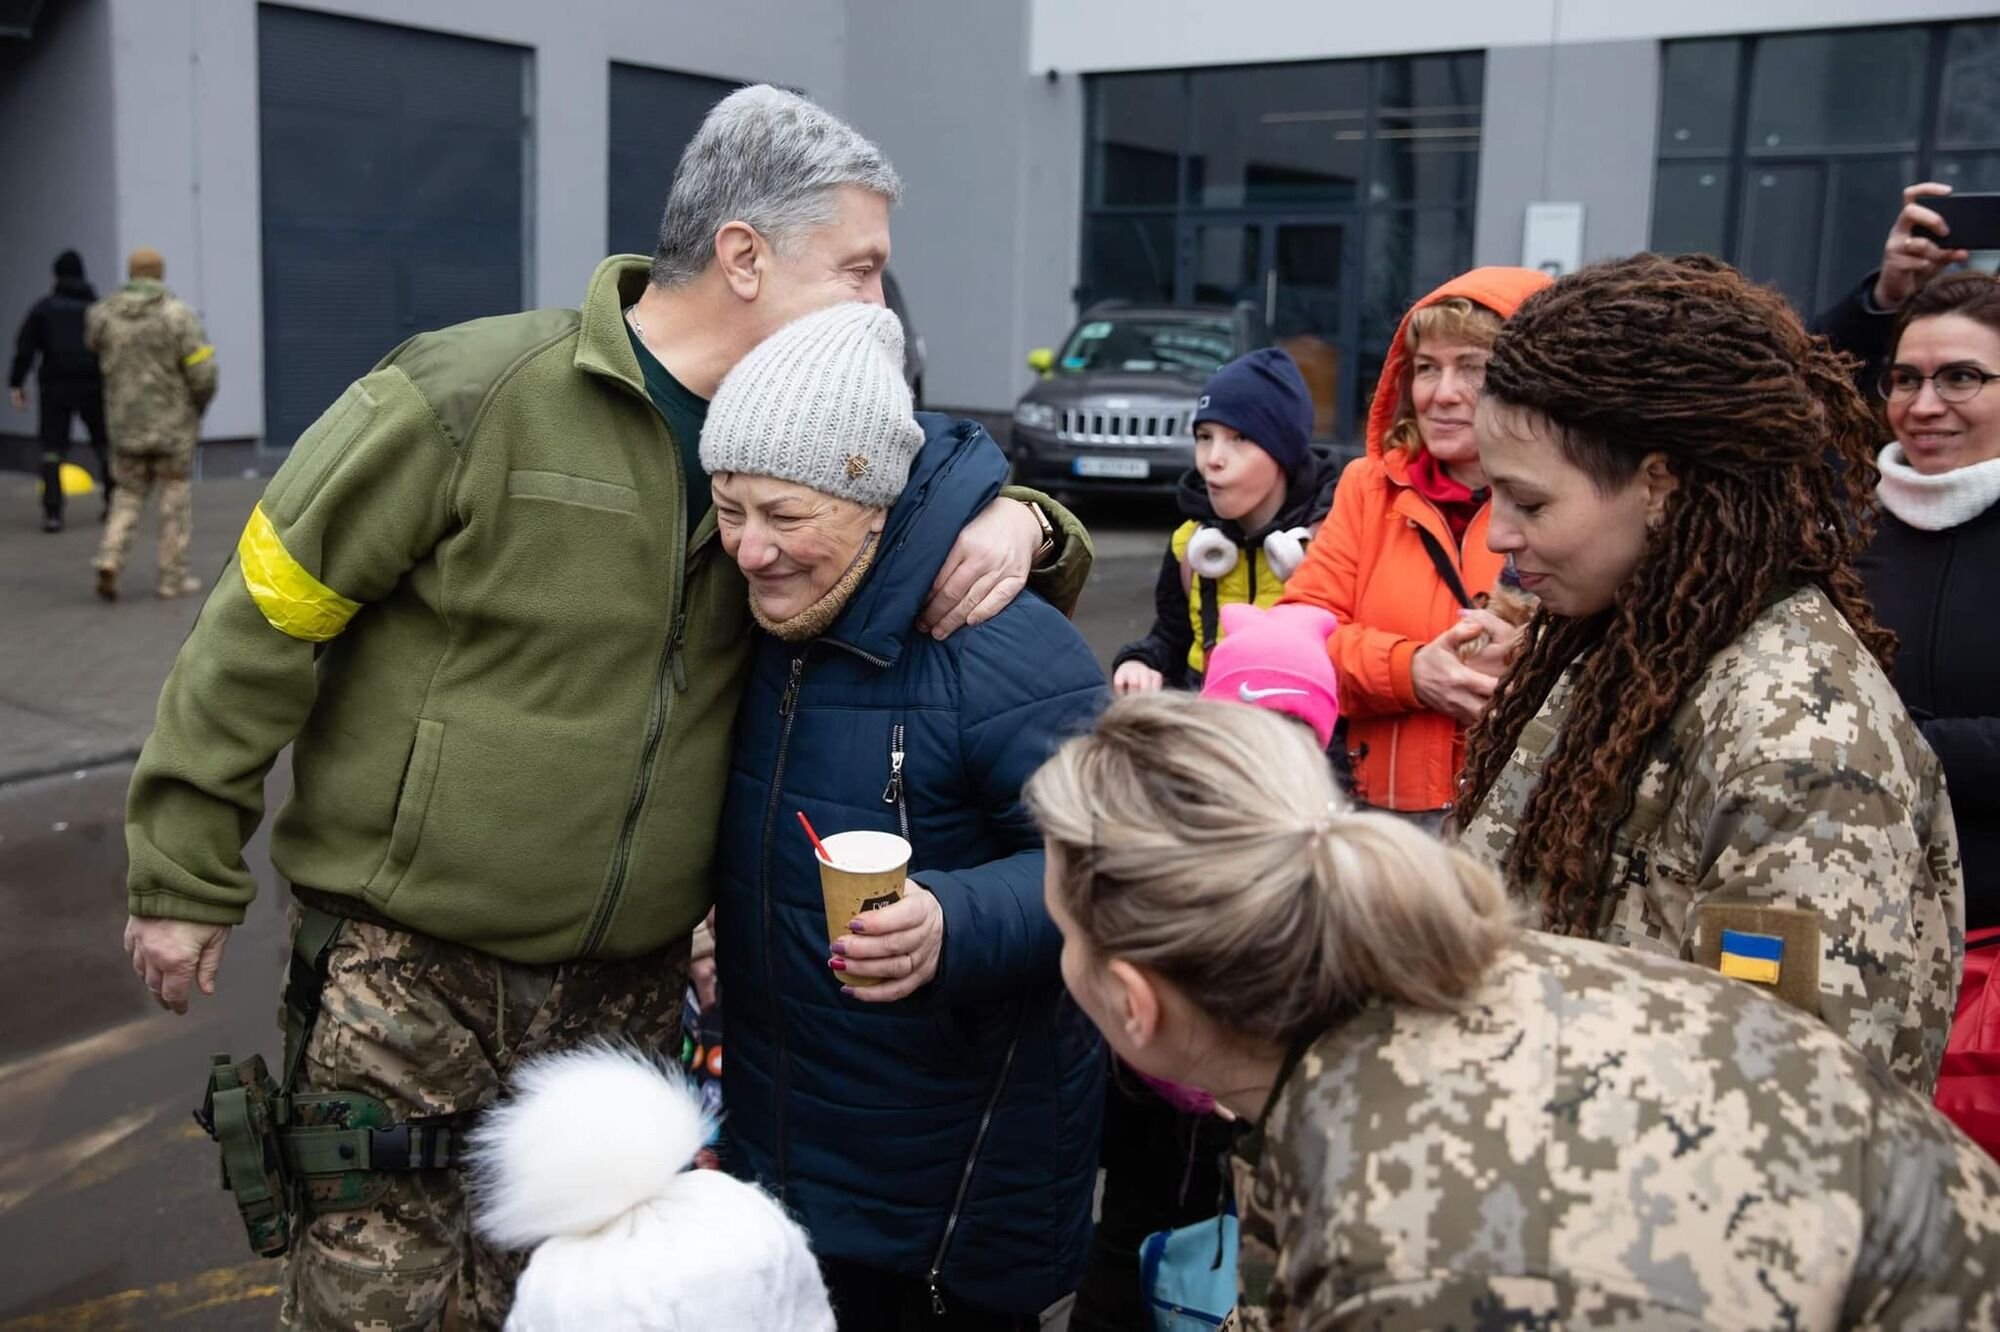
x=111 y=1214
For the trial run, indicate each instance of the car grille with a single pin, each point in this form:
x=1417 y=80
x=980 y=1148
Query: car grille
x=1159 y=428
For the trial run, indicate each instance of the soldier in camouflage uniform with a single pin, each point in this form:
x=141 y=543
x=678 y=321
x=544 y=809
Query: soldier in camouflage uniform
x=1792 y=796
x=1598 y=1140
x=159 y=375
x=1698 y=752
x=1461 y=1125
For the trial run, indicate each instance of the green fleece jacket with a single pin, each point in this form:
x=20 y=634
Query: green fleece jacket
x=470 y=602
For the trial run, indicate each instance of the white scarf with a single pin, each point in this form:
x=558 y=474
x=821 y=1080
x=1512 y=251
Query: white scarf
x=1935 y=503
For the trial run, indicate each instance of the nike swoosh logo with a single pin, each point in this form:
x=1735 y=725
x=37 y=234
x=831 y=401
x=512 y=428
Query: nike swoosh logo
x=1249 y=695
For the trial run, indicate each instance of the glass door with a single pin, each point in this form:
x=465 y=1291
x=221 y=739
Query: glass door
x=1303 y=288
x=1294 y=274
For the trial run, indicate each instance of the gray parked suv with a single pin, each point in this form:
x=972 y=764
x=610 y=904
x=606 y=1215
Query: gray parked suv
x=1113 y=409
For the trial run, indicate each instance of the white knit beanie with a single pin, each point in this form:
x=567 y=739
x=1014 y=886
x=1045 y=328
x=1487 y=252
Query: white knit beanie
x=821 y=402
x=587 y=1163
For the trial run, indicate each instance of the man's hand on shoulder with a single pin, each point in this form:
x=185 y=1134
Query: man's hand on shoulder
x=987 y=568
x=173 y=957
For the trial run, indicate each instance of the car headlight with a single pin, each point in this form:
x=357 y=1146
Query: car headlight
x=1035 y=415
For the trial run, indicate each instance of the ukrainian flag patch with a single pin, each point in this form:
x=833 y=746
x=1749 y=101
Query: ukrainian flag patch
x=1752 y=957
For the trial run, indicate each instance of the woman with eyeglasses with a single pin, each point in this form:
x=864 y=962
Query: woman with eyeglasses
x=1930 y=573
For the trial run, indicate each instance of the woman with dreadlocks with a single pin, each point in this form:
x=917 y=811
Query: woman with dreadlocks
x=1698 y=750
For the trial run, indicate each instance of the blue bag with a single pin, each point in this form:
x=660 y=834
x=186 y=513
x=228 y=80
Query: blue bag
x=1189 y=1275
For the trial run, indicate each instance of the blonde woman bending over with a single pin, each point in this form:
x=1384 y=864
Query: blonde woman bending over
x=1459 y=1123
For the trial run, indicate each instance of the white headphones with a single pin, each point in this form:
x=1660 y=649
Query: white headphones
x=1210 y=554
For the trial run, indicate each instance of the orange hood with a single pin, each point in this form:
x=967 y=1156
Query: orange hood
x=1500 y=290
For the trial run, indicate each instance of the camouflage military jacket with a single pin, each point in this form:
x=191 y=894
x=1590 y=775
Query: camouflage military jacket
x=1793 y=811
x=159 y=371
x=1598 y=1138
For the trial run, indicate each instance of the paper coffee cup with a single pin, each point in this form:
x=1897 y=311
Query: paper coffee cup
x=868 y=871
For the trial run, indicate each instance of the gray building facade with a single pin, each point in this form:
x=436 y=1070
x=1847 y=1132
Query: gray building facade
x=326 y=177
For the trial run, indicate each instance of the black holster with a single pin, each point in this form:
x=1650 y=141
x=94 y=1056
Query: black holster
x=288 y=1153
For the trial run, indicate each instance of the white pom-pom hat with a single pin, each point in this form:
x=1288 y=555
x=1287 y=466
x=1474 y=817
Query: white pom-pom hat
x=587 y=1164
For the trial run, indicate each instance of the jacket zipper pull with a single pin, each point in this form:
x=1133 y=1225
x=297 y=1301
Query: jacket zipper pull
x=791 y=697
x=894 y=790
x=678 y=642
x=937 y=1296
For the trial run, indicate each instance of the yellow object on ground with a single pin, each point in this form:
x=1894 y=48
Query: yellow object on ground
x=75 y=482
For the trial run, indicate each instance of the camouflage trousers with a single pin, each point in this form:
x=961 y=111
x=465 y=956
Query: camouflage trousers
x=436 y=1029
x=134 y=478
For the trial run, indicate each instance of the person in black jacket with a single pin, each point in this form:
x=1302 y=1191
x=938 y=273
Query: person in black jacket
x=1927 y=570
x=67 y=381
x=1862 y=323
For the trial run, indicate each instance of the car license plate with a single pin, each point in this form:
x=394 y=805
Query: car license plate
x=1121 y=469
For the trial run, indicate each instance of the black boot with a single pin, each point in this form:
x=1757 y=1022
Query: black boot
x=52 y=522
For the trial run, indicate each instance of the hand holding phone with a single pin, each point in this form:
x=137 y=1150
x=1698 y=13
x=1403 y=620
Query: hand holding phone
x=1972 y=221
x=1914 y=254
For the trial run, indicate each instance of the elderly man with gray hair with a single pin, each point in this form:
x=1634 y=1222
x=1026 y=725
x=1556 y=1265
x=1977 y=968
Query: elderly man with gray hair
x=485 y=603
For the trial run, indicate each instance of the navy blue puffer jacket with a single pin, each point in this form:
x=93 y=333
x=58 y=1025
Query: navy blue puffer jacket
x=871 y=1121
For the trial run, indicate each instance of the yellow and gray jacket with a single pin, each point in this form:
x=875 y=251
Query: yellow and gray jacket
x=472 y=603
x=158 y=367
x=1791 y=828
x=1598 y=1139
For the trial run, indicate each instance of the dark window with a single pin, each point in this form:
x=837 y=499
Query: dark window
x=1787 y=154
x=654 y=113
x=1698 y=96
x=1969 y=171
x=1409 y=253
x=1135 y=139
x=1128 y=257
x=1325 y=195
x=1427 y=130
x=1282 y=135
x=1228 y=263
x=1691 y=208
x=1969 y=98
x=1780 y=242
x=1816 y=91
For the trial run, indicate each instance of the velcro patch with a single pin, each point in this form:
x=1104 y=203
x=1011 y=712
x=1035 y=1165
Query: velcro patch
x=1753 y=957
x=1776 y=948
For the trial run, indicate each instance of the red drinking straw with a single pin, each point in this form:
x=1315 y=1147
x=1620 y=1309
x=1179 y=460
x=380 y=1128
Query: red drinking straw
x=818 y=845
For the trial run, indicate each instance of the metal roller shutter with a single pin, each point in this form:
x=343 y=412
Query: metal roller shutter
x=395 y=179
x=654 y=112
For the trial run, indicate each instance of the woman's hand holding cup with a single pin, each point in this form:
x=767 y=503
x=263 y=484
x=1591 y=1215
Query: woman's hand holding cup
x=898 y=946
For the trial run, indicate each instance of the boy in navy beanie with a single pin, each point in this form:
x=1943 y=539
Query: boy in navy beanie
x=1256 y=494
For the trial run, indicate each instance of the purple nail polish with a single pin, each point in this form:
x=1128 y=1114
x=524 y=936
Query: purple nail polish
x=840 y=947
x=857 y=927
x=847 y=990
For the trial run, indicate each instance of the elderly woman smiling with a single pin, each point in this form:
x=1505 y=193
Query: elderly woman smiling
x=936 y=1131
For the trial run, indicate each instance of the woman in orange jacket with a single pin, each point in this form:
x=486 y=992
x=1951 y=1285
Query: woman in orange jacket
x=1402 y=558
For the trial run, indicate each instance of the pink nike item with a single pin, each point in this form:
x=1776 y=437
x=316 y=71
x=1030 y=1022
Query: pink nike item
x=1276 y=658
